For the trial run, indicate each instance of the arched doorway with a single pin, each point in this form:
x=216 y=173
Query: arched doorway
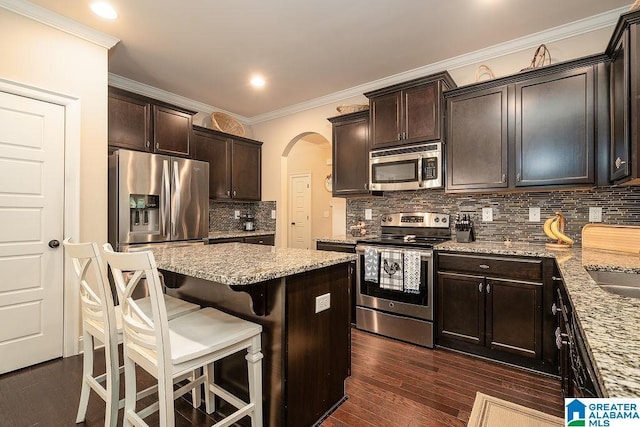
x=309 y=205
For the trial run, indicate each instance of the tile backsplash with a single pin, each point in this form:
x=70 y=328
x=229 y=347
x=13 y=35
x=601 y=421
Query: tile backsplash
x=620 y=205
x=221 y=215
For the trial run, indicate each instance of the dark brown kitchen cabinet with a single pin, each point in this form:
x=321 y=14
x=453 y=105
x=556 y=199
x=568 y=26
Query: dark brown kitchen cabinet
x=408 y=112
x=235 y=164
x=624 y=86
x=536 y=129
x=171 y=131
x=129 y=122
x=265 y=239
x=554 y=124
x=350 y=152
x=268 y=240
x=144 y=124
x=347 y=248
x=493 y=307
x=477 y=140
x=246 y=169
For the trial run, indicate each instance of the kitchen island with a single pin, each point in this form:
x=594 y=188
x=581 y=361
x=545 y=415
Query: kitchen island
x=608 y=322
x=305 y=339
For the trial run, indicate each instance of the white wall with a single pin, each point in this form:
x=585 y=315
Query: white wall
x=41 y=56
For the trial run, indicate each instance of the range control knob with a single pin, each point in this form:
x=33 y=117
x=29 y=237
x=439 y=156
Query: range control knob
x=444 y=219
x=436 y=220
x=384 y=219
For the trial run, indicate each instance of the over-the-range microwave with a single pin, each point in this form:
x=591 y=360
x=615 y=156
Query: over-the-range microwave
x=406 y=168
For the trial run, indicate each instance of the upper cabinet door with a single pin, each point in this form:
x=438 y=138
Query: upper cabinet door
x=144 y=124
x=620 y=154
x=477 y=140
x=246 y=170
x=129 y=123
x=171 y=131
x=554 y=139
x=350 y=150
x=385 y=120
x=409 y=112
x=421 y=118
x=215 y=150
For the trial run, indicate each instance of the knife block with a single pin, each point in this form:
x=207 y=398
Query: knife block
x=465 y=236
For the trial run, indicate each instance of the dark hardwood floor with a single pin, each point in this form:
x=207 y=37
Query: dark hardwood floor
x=398 y=384
x=392 y=384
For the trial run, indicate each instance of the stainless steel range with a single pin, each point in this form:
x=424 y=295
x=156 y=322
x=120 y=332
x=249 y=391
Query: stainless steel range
x=395 y=276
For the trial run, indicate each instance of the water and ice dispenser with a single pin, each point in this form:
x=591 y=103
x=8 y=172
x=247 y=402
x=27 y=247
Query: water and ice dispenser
x=144 y=211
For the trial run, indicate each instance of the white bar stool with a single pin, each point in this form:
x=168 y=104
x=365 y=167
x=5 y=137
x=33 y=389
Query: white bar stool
x=102 y=320
x=168 y=349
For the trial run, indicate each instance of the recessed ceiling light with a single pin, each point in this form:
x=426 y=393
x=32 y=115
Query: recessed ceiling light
x=257 y=81
x=104 y=10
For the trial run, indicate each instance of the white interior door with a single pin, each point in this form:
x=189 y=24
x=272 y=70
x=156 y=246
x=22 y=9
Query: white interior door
x=31 y=215
x=300 y=211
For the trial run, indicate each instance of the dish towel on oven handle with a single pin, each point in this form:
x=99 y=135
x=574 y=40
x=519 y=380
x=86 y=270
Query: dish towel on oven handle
x=412 y=272
x=371 y=265
x=391 y=270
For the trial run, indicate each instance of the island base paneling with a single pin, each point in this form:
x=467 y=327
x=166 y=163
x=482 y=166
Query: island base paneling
x=301 y=348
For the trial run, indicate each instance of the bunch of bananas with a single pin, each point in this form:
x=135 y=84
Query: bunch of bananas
x=554 y=229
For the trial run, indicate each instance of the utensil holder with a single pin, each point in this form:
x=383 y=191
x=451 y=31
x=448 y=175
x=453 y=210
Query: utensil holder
x=465 y=236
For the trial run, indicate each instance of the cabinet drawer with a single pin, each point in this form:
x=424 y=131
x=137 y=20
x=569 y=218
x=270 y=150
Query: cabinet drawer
x=336 y=247
x=268 y=240
x=511 y=268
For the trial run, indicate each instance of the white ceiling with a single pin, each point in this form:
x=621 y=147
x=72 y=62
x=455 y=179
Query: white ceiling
x=206 y=50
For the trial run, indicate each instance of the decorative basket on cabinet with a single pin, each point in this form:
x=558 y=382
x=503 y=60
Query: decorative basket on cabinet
x=225 y=123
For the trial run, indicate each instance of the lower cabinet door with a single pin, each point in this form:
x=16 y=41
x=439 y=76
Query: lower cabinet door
x=513 y=317
x=461 y=308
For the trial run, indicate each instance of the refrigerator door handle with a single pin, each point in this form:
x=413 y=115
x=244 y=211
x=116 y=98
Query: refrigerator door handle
x=177 y=190
x=165 y=197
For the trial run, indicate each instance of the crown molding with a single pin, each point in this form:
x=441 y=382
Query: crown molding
x=561 y=32
x=62 y=23
x=168 y=97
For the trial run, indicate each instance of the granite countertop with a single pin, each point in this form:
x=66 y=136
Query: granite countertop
x=242 y=263
x=609 y=322
x=239 y=233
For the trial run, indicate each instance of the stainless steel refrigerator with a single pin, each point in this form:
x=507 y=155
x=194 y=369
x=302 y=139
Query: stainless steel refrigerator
x=155 y=198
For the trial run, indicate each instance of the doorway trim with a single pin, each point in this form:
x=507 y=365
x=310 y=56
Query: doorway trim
x=71 y=225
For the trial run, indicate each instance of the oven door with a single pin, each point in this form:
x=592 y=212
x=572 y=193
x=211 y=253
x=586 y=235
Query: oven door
x=418 y=305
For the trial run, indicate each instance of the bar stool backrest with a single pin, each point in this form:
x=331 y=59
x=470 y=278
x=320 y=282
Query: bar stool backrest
x=141 y=331
x=97 y=307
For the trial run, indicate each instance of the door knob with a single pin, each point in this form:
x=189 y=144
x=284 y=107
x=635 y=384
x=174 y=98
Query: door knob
x=54 y=244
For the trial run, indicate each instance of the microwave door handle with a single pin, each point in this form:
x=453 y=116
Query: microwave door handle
x=420 y=171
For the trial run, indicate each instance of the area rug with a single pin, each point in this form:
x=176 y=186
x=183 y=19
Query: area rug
x=490 y=411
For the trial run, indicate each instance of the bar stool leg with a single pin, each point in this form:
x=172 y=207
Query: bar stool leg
x=209 y=397
x=254 y=365
x=112 y=385
x=87 y=370
x=130 y=391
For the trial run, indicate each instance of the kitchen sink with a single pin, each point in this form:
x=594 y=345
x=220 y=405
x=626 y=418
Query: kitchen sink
x=625 y=284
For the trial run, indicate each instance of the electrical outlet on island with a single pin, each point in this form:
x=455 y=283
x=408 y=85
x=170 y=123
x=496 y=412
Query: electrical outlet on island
x=323 y=302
